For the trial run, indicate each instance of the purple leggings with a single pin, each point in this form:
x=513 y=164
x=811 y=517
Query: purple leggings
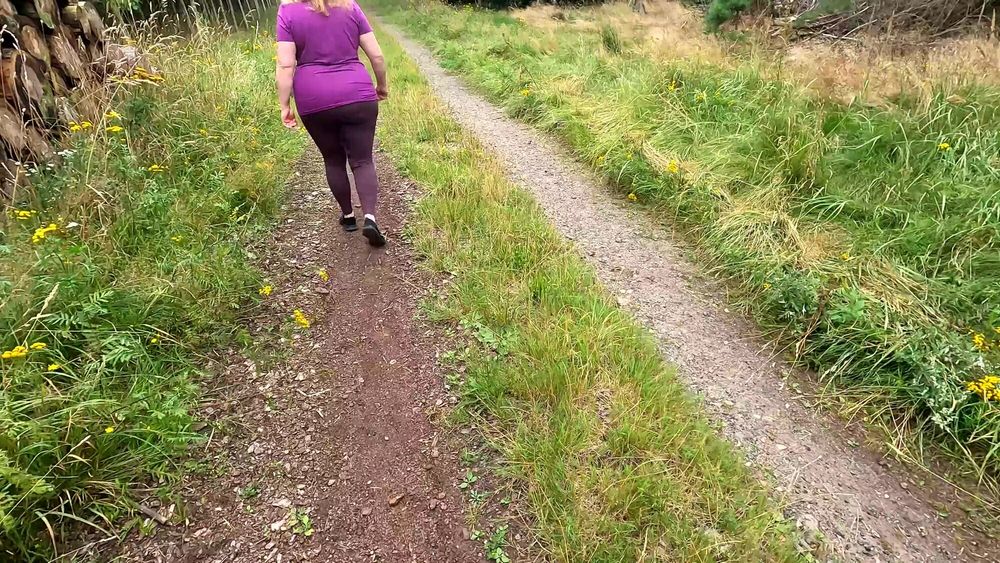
x=347 y=134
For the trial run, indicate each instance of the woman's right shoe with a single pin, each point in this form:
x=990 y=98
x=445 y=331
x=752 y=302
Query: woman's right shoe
x=372 y=233
x=350 y=224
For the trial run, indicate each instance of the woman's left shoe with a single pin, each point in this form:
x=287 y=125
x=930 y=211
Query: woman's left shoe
x=350 y=224
x=372 y=233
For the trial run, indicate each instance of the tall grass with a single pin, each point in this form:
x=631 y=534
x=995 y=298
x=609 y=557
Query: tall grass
x=119 y=268
x=866 y=237
x=617 y=461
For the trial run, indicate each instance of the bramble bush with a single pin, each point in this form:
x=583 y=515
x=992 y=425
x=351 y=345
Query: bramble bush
x=119 y=267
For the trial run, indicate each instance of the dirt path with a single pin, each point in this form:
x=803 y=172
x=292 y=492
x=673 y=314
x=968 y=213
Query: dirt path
x=339 y=429
x=867 y=507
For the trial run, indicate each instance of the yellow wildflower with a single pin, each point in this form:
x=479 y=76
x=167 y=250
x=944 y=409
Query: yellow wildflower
x=629 y=156
x=86 y=125
x=109 y=429
x=300 y=319
x=114 y=129
x=154 y=340
x=987 y=387
x=23 y=214
x=75 y=127
x=39 y=346
x=525 y=92
x=673 y=167
x=15 y=352
x=845 y=256
x=632 y=196
x=112 y=114
x=203 y=132
x=42 y=232
x=323 y=275
x=156 y=168
x=700 y=96
x=54 y=367
x=177 y=238
x=767 y=286
x=980 y=342
x=672 y=87
x=266 y=290
x=944 y=147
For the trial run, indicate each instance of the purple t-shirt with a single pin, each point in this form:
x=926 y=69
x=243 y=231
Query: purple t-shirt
x=328 y=73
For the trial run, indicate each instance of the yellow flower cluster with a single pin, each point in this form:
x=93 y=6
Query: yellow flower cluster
x=525 y=92
x=112 y=114
x=300 y=319
x=673 y=167
x=23 y=214
x=42 y=232
x=114 y=129
x=632 y=196
x=980 y=342
x=944 y=147
x=700 y=97
x=157 y=169
x=266 y=290
x=672 y=87
x=54 y=367
x=75 y=127
x=22 y=351
x=141 y=73
x=323 y=275
x=16 y=352
x=987 y=387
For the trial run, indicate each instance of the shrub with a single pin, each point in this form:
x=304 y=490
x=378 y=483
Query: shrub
x=721 y=11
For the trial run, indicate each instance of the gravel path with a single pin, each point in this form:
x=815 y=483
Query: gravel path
x=867 y=507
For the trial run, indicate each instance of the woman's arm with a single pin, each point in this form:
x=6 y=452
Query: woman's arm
x=283 y=74
x=374 y=53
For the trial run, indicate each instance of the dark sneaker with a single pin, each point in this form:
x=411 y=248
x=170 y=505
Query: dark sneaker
x=350 y=224
x=372 y=233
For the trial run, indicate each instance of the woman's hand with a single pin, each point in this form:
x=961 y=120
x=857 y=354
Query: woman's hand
x=382 y=92
x=288 y=117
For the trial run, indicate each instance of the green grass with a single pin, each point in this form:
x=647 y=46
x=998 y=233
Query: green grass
x=867 y=238
x=617 y=461
x=145 y=271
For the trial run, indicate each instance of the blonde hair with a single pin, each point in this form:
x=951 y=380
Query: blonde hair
x=322 y=6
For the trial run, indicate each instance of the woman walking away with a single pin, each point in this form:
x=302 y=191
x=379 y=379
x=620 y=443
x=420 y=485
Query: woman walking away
x=318 y=58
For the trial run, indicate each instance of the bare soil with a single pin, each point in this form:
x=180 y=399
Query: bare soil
x=864 y=504
x=336 y=424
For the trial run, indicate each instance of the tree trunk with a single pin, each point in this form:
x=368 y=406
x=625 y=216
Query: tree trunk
x=20 y=83
x=11 y=130
x=65 y=56
x=33 y=41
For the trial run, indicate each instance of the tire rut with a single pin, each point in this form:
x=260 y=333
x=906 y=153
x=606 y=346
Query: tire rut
x=338 y=426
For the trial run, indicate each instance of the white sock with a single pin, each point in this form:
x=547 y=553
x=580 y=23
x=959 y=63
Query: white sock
x=349 y=215
x=369 y=216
